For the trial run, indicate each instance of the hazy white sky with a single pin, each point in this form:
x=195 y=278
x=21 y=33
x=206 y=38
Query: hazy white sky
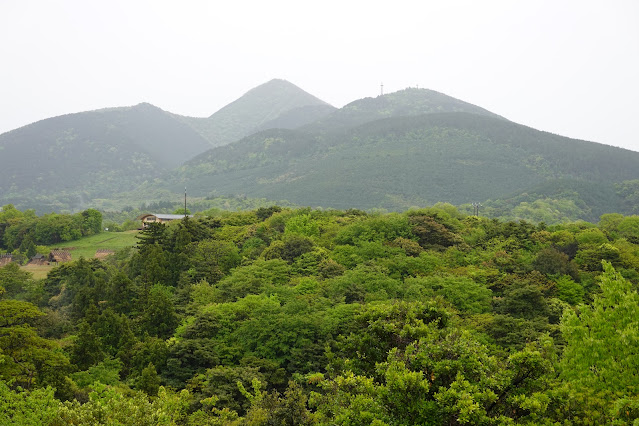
x=567 y=67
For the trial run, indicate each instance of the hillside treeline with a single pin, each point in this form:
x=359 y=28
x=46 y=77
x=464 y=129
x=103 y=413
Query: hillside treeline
x=21 y=231
x=280 y=316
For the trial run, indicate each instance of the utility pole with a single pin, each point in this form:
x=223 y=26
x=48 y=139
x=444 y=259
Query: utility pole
x=476 y=207
x=185 y=202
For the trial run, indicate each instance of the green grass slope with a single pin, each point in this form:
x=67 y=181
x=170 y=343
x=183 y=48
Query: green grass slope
x=87 y=246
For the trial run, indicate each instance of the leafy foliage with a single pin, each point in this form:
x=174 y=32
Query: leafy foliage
x=327 y=317
x=22 y=231
x=601 y=341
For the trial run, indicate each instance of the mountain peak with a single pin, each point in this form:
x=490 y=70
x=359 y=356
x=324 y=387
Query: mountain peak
x=257 y=107
x=407 y=102
x=272 y=98
x=276 y=82
x=416 y=101
x=280 y=85
x=145 y=105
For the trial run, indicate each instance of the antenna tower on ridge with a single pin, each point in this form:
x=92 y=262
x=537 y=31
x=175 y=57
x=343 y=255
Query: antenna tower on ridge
x=382 y=87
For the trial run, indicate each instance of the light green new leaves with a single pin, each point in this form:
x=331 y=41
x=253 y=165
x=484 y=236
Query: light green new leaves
x=602 y=340
x=27 y=408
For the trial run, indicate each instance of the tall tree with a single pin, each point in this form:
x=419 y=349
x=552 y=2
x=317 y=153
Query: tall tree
x=158 y=316
x=26 y=359
x=602 y=342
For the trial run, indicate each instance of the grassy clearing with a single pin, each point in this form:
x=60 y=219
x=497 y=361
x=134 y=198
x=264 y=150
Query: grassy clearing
x=38 y=271
x=86 y=247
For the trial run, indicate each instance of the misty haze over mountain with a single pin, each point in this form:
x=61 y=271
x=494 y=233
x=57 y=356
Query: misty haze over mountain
x=395 y=151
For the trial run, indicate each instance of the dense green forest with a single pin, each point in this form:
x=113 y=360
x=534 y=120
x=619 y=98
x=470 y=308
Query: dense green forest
x=299 y=316
x=21 y=232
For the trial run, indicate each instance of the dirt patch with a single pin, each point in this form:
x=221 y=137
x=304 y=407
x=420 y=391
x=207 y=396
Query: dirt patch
x=108 y=239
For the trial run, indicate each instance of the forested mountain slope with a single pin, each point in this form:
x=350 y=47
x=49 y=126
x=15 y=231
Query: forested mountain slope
x=272 y=101
x=76 y=157
x=407 y=102
x=65 y=162
x=404 y=161
x=298 y=117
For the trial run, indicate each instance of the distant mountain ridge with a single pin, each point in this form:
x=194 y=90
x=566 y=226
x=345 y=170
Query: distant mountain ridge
x=76 y=157
x=64 y=162
x=407 y=102
x=426 y=148
x=268 y=102
x=405 y=149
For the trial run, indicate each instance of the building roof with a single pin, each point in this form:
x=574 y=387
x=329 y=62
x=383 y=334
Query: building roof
x=60 y=254
x=163 y=216
x=171 y=216
x=38 y=259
